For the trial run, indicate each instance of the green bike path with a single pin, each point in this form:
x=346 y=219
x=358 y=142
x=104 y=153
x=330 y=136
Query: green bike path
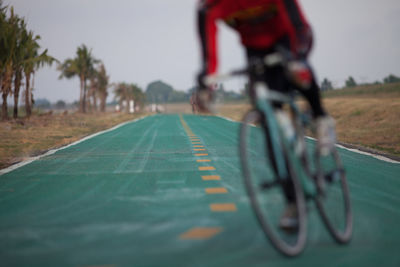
x=167 y=191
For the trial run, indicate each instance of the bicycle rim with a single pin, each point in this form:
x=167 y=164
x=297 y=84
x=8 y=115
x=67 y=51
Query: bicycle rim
x=333 y=200
x=269 y=203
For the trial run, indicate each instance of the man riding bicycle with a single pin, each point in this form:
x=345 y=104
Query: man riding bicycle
x=266 y=26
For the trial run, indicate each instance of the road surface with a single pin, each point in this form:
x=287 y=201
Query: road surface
x=167 y=191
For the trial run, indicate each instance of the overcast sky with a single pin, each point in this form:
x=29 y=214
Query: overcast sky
x=141 y=41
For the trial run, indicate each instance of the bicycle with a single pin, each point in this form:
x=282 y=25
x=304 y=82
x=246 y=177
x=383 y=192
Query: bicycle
x=273 y=160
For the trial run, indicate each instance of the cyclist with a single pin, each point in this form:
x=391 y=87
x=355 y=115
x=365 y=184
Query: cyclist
x=265 y=25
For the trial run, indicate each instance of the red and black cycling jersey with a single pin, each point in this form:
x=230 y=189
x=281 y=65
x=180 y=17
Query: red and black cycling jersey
x=260 y=24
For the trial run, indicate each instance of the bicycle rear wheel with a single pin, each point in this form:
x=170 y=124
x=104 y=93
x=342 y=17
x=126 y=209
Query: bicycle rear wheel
x=265 y=189
x=333 y=198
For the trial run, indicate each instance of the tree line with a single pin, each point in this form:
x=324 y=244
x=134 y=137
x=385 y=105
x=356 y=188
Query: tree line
x=94 y=82
x=159 y=92
x=351 y=82
x=20 y=57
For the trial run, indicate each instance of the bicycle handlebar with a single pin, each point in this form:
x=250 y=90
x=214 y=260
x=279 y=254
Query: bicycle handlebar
x=278 y=58
x=215 y=78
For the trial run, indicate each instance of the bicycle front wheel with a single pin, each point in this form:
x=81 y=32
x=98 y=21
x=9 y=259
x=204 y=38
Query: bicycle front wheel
x=266 y=191
x=333 y=198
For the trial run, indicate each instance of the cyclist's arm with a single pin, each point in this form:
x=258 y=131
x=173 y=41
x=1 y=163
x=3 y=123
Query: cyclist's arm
x=302 y=35
x=207 y=29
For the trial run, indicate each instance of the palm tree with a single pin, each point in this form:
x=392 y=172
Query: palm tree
x=3 y=49
x=138 y=95
x=32 y=62
x=82 y=66
x=103 y=84
x=98 y=87
x=92 y=93
x=125 y=92
x=8 y=45
x=120 y=91
x=18 y=56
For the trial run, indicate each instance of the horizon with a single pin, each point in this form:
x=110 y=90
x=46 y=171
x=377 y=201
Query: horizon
x=130 y=36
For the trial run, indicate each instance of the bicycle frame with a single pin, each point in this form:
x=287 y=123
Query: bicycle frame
x=263 y=99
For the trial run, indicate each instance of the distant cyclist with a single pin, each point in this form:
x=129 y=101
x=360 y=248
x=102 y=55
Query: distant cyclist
x=264 y=27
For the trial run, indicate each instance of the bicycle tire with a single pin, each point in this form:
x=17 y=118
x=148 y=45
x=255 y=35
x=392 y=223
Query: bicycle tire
x=254 y=189
x=330 y=182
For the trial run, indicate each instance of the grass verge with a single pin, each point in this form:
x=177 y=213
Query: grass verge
x=25 y=138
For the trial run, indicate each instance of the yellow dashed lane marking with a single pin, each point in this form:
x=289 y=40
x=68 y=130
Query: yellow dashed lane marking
x=211 y=177
x=223 y=207
x=186 y=127
x=206 y=168
x=200 y=233
x=216 y=190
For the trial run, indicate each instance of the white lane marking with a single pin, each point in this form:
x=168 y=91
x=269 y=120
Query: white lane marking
x=52 y=151
x=379 y=157
x=148 y=151
x=126 y=160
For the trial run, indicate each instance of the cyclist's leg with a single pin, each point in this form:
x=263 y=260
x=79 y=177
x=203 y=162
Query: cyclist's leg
x=313 y=97
x=276 y=79
x=325 y=125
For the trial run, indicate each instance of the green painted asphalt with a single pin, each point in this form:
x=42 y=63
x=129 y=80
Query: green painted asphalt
x=127 y=197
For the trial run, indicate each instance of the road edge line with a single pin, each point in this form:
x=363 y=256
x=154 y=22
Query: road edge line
x=52 y=151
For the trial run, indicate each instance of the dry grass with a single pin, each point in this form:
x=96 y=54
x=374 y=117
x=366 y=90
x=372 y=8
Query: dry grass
x=370 y=121
x=371 y=90
x=234 y=111
x=25 y=138
x=178 y=108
